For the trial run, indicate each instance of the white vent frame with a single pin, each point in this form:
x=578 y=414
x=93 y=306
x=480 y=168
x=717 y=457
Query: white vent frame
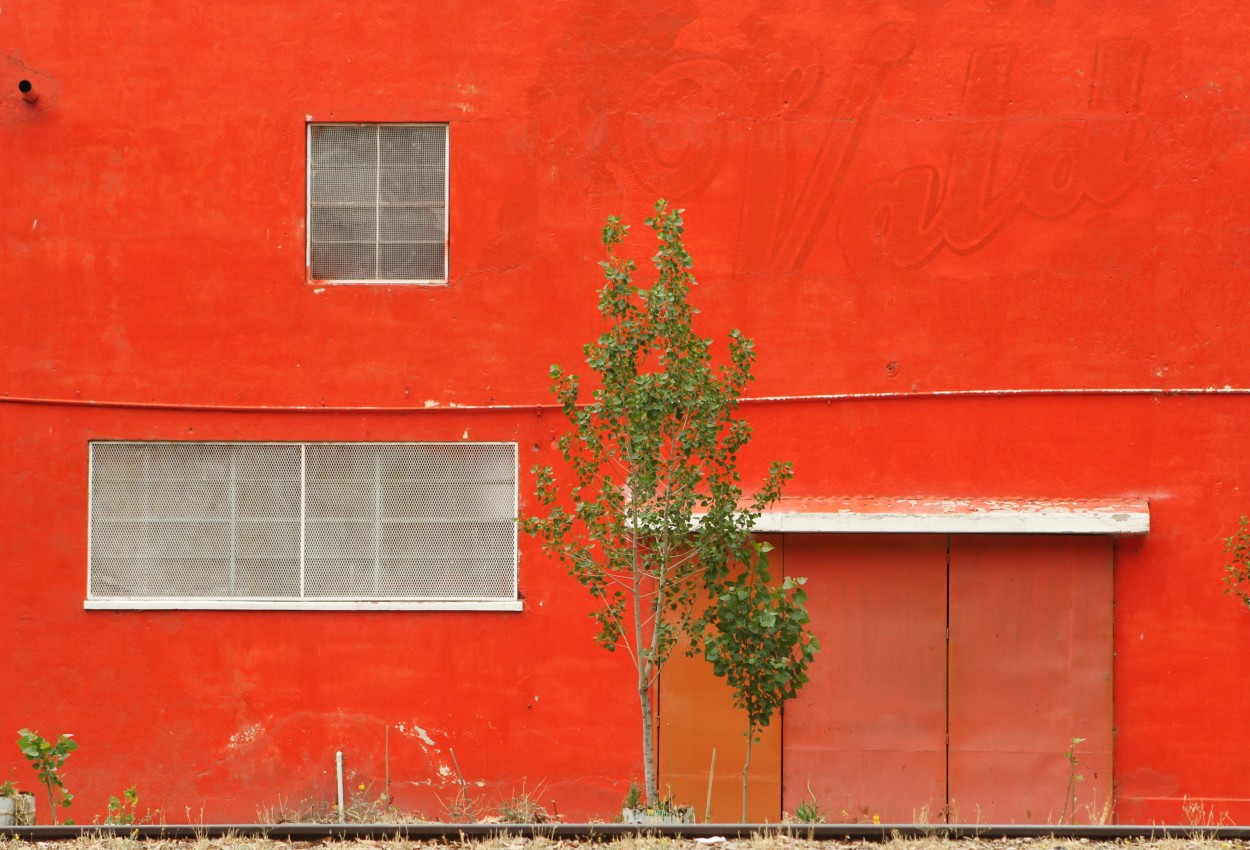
x=308 y=206
x=303 y=602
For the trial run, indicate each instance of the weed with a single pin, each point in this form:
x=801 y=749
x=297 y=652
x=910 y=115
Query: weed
x=523 y=807
x=23 y=803
x=633 y=799
x=47 y=759
x=459 y=809
x=664 y=810
x=363 y=806
x=808 y=811
x=123 y=811
x=1098 y=816
x=1069 y=799
x=863 y=814
x=1201 y=817
x=272 y=814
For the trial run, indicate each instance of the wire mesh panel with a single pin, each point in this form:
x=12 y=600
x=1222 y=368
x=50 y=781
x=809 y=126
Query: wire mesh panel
x=430 y=521
x=414 y=521
x=194 y=520
x=377 y=202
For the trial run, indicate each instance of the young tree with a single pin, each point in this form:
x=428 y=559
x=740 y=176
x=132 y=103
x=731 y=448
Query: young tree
x=1237 y=570
x=48 y=758
x=647 y=514
x=760 y=643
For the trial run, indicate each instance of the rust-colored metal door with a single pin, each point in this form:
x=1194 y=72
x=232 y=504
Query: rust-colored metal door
x=954 y=673
x=1030 y=669
x=696 y=717
x=867 y=735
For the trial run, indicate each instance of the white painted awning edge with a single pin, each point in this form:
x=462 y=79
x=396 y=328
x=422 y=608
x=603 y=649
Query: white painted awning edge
x=959 y=516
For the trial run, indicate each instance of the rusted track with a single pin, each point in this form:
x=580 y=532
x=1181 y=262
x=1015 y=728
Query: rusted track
x=608 y=831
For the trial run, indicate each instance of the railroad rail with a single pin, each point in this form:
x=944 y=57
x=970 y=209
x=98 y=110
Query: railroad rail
x=454 y=832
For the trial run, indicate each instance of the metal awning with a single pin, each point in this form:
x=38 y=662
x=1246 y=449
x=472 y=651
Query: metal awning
x=928 y=515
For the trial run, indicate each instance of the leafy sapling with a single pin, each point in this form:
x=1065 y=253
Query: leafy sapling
x=653 y=444
x=758 y=640
x=47 y=759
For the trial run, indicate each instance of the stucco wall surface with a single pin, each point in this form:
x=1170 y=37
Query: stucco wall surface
x=889 y=196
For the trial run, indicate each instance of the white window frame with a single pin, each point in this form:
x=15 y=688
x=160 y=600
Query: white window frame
x=242 y=603
x=308 y=205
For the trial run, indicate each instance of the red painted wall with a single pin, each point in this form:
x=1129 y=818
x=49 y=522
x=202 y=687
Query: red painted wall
x=888 y=195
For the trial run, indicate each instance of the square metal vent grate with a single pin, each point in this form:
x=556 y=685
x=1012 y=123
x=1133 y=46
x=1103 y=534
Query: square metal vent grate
x=377 y=203
x=331 y=521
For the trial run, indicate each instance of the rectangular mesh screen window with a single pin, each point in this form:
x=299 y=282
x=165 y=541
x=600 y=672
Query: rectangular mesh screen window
x=377 y=203
x=303 y=521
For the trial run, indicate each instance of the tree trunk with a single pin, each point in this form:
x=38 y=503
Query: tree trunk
x=746 y=768
x=648 y=745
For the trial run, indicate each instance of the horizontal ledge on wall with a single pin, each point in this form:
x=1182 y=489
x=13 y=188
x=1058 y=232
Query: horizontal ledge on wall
x=860 y=515
x=298 y=605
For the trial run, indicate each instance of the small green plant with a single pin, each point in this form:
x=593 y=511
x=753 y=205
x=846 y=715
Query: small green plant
x=47 y=759
x=1069 y=800
x=8 y=789
x=808 y=811
x=633 y=799
x=122 y=811
x=1237 y=570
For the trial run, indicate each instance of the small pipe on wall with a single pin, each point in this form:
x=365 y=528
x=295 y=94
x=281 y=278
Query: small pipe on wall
x=28 y=91
x=338 y=764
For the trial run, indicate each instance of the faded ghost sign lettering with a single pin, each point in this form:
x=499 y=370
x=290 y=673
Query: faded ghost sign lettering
x=797 y=204
x=908 y=218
